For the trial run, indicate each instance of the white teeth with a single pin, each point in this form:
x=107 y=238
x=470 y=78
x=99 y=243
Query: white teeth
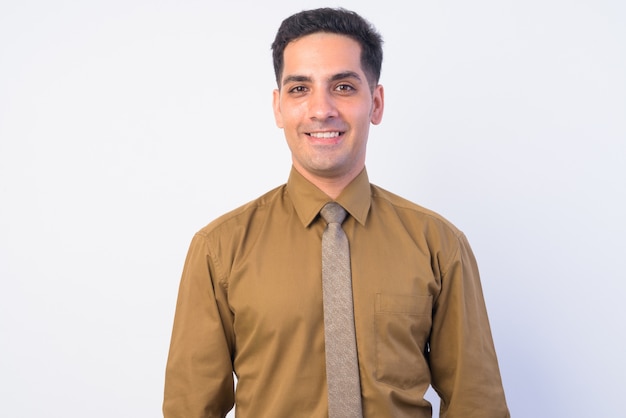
x=324 y=134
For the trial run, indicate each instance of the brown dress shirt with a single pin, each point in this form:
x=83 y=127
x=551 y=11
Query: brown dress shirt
x=250 y=303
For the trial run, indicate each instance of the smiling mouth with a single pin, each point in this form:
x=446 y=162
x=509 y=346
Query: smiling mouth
x=325 y=135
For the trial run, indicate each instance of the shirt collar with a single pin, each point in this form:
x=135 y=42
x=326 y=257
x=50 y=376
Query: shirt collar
x=308 y=200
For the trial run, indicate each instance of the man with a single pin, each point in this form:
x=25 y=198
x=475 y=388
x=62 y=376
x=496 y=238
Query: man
x=253 y=299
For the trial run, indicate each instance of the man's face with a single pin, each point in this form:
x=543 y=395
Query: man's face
x=325 y=106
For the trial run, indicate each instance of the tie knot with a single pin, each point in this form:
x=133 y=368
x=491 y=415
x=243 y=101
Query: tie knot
x=333 y=213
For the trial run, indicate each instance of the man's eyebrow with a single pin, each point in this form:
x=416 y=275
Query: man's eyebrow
x=306 y=79
x=346 y=74
x=296 y=79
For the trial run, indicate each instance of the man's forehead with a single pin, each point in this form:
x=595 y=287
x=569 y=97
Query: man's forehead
x=322 y=55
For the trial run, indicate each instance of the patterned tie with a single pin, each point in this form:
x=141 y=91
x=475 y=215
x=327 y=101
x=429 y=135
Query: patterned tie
x=342 y=367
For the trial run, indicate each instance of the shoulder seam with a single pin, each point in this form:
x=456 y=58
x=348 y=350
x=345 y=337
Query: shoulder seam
x=405 y=204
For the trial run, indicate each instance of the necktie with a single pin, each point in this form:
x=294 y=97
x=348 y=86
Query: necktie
x=342 y=368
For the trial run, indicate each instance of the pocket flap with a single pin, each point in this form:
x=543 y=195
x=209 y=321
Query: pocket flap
x=404 y=304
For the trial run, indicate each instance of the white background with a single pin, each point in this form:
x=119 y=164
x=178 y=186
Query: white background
x=125 y=126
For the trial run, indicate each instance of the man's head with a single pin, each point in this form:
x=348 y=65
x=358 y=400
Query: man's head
x=326 y=98
x=337 y=21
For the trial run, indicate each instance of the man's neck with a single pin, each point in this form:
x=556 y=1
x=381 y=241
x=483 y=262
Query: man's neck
x=331 y=186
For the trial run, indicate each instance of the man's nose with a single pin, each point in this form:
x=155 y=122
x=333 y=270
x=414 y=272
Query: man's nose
x=322 y=105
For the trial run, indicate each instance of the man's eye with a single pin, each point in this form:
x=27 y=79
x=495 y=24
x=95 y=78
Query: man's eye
x=344 y=88
x=297 y=89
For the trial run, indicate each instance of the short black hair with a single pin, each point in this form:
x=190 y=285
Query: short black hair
x=339 y=21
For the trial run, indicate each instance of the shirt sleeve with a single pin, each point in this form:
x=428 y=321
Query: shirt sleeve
x=463 y=361
x=199 y=374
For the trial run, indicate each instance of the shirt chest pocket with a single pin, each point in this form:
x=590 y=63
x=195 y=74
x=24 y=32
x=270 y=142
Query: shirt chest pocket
x=402 y=325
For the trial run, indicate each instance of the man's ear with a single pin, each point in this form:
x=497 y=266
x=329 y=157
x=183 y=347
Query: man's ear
x=278 y=117
x=378 y=105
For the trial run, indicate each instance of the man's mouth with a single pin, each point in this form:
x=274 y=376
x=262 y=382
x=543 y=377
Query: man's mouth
x=324 y=135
